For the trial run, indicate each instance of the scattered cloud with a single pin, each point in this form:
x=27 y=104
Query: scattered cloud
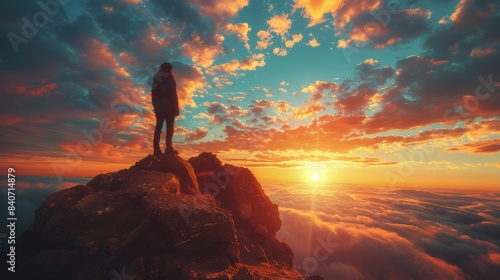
x=279 y=24
x=280 y=52
x=313 y=43
x=296 y=38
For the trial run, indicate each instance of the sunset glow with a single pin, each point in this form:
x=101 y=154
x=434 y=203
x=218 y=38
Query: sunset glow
x=374 y=123
x=315 y=176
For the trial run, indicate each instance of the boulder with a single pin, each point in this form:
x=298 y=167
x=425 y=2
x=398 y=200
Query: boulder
x=134 y=182
x=243 y=274
x=256 y=217
x=238 y=190
x=251 y=204
x=172 y=163
x=194 y=222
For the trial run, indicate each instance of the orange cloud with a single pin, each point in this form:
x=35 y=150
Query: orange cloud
x=98 y=55
x=280 y=52
x=201 y=53
x=247 y=64
x=279 y=24
x=317 y=90
x=470 y=13
x=251 y=63
x=348 y=10
x=311 y=109
x=281 y=106
x=129 y=60
x=264 y=39
x=220 y=10
x=240 y=30
x=221 y=81
x=481 y=147
x=315 y=10
x=229 y=67
x=295 y=39
x=199 y=134
x=482 y=51
x=188 y=84
x=313 y=43
x=42 y=90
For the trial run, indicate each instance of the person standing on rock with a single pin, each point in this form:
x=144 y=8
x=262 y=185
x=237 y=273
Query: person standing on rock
x=166 y=106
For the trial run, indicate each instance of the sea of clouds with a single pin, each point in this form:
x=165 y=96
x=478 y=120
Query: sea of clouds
x=353 y=232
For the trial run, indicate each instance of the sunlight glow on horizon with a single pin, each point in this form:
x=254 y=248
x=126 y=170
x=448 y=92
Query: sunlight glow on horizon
x=315 y=177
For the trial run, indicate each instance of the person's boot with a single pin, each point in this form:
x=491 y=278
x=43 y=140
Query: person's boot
x=170 y=150
x=156 y=143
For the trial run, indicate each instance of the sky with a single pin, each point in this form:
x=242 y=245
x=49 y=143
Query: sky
x=368 y=92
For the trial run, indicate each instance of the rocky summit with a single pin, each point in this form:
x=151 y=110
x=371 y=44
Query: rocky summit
x=162 y=218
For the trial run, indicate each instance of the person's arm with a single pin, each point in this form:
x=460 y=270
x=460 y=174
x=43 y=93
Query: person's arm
x=154 y=92
x=153 y=98
x=174 y=98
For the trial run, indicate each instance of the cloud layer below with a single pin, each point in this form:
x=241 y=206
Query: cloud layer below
x=352 y=232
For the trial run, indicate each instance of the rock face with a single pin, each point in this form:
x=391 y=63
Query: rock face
x=162 y=218
x=256 y=217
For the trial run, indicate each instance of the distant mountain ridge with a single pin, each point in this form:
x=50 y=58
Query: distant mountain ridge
x=162 y=218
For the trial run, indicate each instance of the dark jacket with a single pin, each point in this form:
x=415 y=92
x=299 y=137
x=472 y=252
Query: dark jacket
x=165 y=100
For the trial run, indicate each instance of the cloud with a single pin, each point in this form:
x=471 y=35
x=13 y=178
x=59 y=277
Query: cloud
x=199 y=134
x=313 y=43
x=279 y=24
x=281 y=106
x=376 y=23
x=315 y=10
x=353 y=232
x=220 y=10
x=355 y=101
x=403 y=27
x=220 y=82
x=296 y=38
x=201 y=53
x=309 y=110
x=249 y=63
x=240 y=30
x=481 y=147
x=190 y=80
x=264 y=39
x=472 y=12
x=369 y=72
x=220 y=113
x=280 y=52
x=42 y=90
x=318 y=89
x=482 y=51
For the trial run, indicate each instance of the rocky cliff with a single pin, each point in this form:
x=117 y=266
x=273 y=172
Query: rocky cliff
x=162 y=218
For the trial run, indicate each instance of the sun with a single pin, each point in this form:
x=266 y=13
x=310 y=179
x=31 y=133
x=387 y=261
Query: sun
x=315 y=177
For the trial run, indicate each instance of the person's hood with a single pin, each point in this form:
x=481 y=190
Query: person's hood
x=160 y=75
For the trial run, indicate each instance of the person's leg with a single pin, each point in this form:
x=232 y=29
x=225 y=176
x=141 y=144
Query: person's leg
x=170 y=119
x=170 y=129
x=156 y=139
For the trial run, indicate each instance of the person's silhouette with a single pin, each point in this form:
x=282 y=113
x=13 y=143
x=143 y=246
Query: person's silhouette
x=166 y=106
